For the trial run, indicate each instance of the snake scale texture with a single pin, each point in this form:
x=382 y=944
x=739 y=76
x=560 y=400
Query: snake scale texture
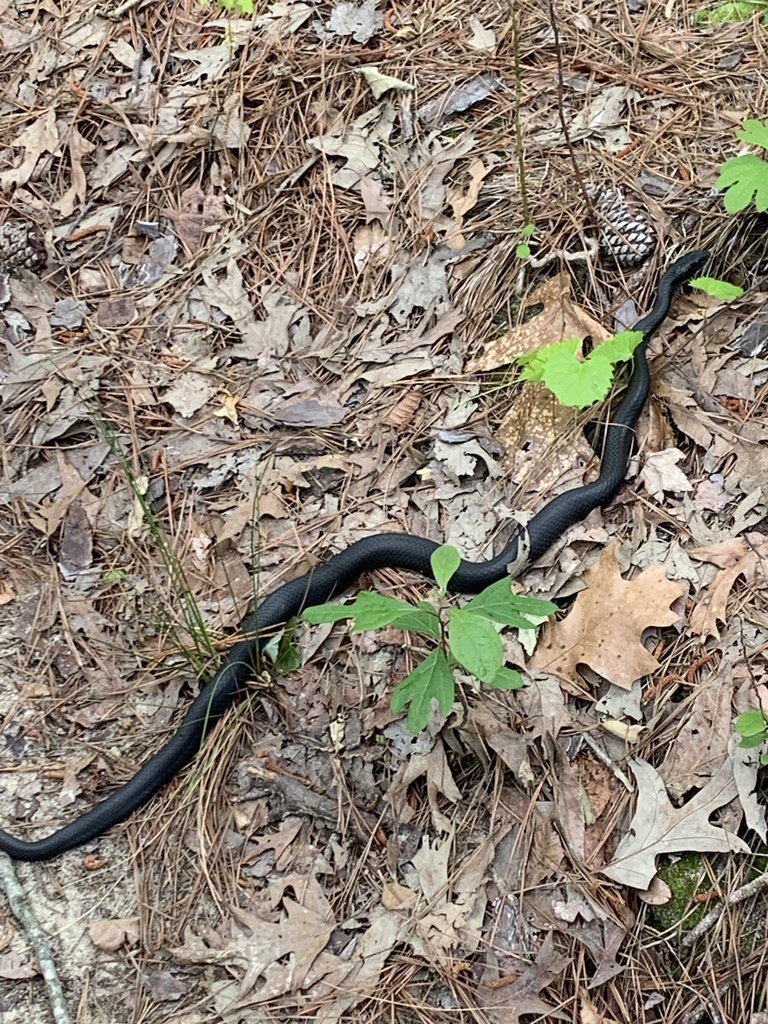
x=384 y=550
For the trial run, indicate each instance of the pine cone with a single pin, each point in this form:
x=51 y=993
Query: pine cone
x=624 y=232
x=20 y=246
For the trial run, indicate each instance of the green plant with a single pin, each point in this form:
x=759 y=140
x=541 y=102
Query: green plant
x=523 y=250
x=752 y=727
x=578 y=382
x=745 y=177
x=466 y=636
x=582 y=382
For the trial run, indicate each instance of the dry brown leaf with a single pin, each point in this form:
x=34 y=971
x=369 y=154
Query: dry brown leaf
x=111 y=935
x=738 y=556
x=605 y=626
x=560 y=318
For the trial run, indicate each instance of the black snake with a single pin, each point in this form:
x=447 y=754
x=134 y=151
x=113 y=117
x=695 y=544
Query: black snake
x=390 y=550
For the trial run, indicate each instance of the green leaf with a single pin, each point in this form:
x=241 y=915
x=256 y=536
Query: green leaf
x=745 y=179
x=522 y=251
x=431 y=679
x=501 y=604
x=529 y=229
x=752 y=741
x=576 y=383
x=506 y=679
x=369 y=611
x=617 y=349
x=717 y=288
x=475 y=644
x=533 y=363
x=444 y=561
x=751 y=725
x=755 y=133
x=417 y=621
x=116 y=575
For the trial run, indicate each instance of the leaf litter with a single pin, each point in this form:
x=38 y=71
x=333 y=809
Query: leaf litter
x=278 y=344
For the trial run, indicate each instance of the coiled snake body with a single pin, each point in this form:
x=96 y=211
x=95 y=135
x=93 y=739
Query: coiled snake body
x=390 y=550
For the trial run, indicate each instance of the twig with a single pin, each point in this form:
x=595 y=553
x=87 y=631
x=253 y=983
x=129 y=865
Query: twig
x=23 y=913
x=744 y=893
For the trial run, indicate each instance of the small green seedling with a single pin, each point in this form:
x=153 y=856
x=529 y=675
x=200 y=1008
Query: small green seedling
x=523 y=250
x=466 y=636
x=753 y=730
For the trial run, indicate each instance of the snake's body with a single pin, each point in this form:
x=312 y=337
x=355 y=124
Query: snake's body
x=384 y=550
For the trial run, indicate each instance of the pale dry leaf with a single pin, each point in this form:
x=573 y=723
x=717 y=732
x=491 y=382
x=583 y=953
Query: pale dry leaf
x=660 y=473
x=544 y=448
x=605 y=626
x=190 y=393
x=283 y=19
x=361 y=21
x=657 y=827
x=560 y=318
x=380 y=83
x=737 y=556
x=482 y=39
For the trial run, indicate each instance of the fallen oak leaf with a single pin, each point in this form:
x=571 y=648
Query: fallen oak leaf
x=657 y=827
x=605 y=626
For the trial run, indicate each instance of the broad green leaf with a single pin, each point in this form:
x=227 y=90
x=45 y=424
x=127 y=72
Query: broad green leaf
x=444 y=561
x=417 y=621
x=755 y=133
x=717 y=288
x=431 y=679
x=745 y=179
x=533 y=363
x=506 y=679
x=475 y=644
x=751 y=725
x=528 y=230
x=617 y=349
x=369 y=611
x=522 y=251
x=501 y=604
x=753 y=740
x=575 y=383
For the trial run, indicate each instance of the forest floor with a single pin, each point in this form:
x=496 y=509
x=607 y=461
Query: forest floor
x=278 y=310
